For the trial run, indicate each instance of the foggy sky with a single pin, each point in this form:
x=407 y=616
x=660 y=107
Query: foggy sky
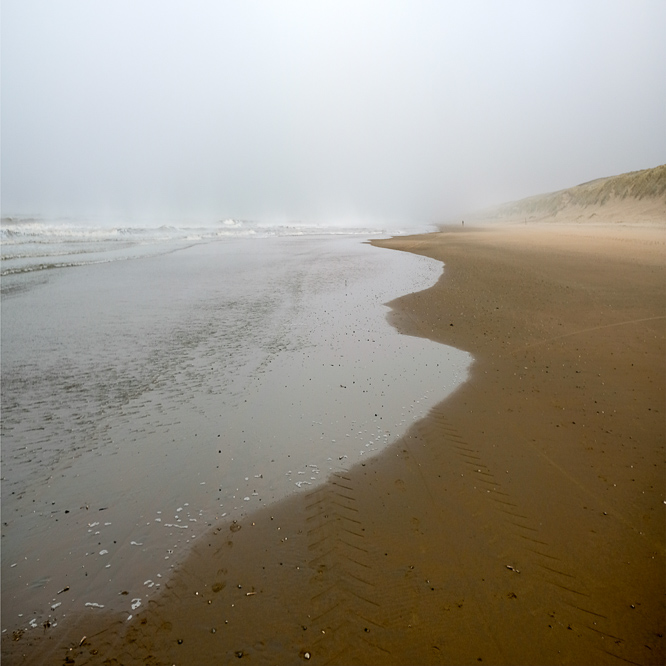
x=322 y=110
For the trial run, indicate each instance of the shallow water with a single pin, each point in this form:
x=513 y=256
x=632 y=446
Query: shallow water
x=144 y=400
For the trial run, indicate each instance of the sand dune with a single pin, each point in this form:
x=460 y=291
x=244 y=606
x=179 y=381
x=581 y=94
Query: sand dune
x=638 y=197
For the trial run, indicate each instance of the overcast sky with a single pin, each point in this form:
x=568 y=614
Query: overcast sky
x=322 y=110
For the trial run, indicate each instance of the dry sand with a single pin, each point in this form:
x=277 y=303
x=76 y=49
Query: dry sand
x=522 y=522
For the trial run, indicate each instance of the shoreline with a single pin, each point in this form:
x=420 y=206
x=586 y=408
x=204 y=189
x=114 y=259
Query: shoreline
x=167 y=386
x=521 y=521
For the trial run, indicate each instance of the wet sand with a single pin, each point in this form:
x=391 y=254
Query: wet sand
x=521 y=522
x=143 y=401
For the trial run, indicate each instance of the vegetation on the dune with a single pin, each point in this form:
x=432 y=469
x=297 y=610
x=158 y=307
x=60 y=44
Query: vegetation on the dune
x=647 y=184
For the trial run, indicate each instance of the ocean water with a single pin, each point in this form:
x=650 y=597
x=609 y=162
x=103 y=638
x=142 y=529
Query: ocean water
x=157 y=386
x=30 y=244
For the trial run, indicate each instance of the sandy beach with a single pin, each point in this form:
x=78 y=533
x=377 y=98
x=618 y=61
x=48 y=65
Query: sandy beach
x=521 y=522
x=148 y=399
x=333 y=333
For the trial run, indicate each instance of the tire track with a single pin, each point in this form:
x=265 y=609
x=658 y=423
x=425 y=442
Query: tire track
x=347 y=615
x=539 y=557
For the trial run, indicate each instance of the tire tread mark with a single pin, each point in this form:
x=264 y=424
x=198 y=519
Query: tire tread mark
x=617 y=656
x=568 y=589
x=562 y=573
x=525 y=527
x=351 y=545
x=550 y=557
x=506 y=503
x=341 y=485
x=515 y=515
x=542 y=543
x=343 y=586
x=604 y=633
x=470 y=457
x=585 y=610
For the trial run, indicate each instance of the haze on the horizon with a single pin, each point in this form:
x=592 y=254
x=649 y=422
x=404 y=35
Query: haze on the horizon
x=322 y=110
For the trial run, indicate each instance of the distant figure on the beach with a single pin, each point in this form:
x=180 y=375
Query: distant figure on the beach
x=463 y=223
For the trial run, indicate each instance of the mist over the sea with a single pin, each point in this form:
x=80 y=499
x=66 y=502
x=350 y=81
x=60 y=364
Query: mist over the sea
x=330 y=112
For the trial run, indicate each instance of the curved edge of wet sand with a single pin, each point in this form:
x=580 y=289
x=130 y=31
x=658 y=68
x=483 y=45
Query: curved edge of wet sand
x=520 y=522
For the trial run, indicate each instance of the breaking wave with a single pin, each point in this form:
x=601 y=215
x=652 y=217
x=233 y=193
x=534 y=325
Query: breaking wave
x=34 y=244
